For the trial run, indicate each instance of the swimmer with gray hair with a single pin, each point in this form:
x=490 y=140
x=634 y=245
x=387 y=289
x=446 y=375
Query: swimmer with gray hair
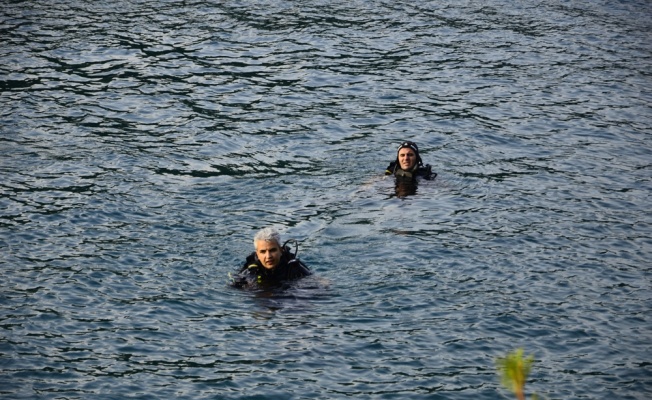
x=271 y=264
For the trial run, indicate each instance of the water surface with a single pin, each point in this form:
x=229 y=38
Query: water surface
x=143 y=143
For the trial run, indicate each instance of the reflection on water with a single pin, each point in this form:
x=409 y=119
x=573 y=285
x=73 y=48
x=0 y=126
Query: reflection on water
x=405 y=187
x=298 y=297
x=143 y=143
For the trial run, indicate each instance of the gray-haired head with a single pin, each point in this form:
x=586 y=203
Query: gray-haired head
x=268 y=235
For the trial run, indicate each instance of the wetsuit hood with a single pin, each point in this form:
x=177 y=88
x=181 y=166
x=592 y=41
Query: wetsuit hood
x=413 y=146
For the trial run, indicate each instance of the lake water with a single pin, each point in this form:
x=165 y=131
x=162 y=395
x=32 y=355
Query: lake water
x=143 y=143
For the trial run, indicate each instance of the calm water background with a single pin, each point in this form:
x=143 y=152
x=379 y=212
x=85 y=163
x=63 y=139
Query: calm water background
x=144 y=142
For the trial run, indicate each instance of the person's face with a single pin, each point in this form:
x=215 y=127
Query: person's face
x=407 y=158
x=269 y=253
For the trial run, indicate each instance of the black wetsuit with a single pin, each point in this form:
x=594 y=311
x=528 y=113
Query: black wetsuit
x=424 y=171
x=253 y=273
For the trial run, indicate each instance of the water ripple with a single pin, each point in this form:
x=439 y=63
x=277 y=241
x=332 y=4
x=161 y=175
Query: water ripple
x=144 y=142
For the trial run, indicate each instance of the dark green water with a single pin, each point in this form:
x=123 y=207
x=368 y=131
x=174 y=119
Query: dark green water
x=142 y=144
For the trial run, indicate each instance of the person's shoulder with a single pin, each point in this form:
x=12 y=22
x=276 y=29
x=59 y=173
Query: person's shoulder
x=293 y=268
x=250 y=262
x=251 y=258
x=426 y=172
x=299 y=267
x=248 y=273
x=390 y=168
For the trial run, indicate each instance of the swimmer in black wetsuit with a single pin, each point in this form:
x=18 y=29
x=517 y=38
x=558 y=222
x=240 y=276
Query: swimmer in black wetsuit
x=407 y=167
x=270 y=264
x=408 y=163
